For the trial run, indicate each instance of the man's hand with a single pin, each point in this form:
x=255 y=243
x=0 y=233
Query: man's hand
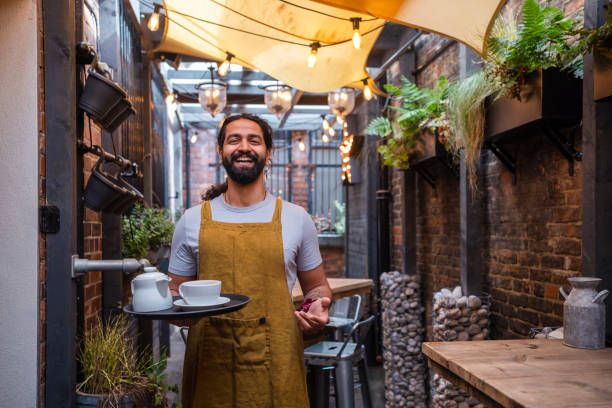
x=313 y=321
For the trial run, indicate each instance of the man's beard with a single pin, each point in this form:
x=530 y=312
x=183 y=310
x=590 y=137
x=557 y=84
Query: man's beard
x=243 y=175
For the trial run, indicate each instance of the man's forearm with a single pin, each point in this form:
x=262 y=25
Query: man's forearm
x=319 y=291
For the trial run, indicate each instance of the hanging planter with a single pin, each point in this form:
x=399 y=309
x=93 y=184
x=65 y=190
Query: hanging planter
x=102 y=189
x=105 y=101
x=602 y=74
x=548 y=97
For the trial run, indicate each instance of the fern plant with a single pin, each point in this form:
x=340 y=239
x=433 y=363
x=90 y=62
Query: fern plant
x=420 y=109
x=545 y=38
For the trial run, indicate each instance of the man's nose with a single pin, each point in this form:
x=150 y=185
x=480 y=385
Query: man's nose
x=244 y=145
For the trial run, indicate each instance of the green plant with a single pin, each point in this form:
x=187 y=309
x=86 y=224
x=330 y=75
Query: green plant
x=420 y=109
x=145 y=230
x=112 y=366
x=466 y=106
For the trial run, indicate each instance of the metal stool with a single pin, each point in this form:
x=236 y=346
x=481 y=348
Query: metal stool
x=322 y=357
x=343 y=314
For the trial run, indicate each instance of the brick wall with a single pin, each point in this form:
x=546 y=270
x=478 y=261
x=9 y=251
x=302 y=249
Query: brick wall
x=202 y=153
x=333 y=261
x=42 y=200
x=531 y=230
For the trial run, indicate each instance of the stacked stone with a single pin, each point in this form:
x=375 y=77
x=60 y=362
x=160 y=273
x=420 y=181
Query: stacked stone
x=403 y=330
x=456 y=318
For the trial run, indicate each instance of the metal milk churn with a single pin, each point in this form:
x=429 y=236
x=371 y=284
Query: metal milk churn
x=584 y=314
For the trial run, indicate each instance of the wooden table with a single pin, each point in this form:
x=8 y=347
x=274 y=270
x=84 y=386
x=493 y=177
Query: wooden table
x=526 y=373
x=341 y=287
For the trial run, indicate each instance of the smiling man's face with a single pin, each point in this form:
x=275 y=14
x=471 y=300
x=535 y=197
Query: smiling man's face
x=244 y=152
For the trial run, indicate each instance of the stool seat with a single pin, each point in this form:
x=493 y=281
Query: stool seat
x=330 y=349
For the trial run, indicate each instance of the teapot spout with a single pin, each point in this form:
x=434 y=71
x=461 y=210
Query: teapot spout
x=599 y=298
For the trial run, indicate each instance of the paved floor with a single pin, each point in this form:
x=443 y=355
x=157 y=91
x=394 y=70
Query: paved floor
x=175 y=372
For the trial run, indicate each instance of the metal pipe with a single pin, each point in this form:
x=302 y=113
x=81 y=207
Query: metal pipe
x=400 y=51
x=126 y=265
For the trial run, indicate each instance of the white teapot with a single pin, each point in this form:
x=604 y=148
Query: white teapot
x=150 y=291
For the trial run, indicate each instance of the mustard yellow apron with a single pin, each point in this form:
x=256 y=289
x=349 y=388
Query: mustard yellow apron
x=252 y=357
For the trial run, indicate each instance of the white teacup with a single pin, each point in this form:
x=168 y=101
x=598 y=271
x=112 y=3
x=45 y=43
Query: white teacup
x=200 y=292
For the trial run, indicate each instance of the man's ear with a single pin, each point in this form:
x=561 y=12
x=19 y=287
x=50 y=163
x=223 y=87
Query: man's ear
x=220 y=153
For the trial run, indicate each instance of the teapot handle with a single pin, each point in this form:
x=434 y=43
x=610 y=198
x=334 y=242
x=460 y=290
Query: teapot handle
x=563 y=292
x=601 y=295
x=132 y=286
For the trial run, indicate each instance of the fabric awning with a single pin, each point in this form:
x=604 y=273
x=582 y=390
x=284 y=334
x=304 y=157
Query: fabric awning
x=274 y=37
x=467 y=21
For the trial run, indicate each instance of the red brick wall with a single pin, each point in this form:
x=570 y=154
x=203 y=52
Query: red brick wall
x=300 y=174
x=42 y=200
x=202 y=153
x=531 y=230
x=333 y=261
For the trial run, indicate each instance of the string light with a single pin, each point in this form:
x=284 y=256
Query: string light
x=224 y=67
x=301 y=145
x=340 y=119
x=324 y=123
x=367 y=91
x=170 y=98
x=331 y=131
x=345 y=153
x=312 y=58
x=325 y=138
x=194 y=138
x=153 y=23
x=356 y=35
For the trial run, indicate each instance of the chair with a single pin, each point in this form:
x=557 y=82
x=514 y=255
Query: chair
x=341 y=357
x=343 y=314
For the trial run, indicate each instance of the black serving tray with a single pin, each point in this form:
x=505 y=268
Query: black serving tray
x=236 y=302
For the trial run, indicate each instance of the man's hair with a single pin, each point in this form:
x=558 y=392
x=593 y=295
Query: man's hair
x=218 y=189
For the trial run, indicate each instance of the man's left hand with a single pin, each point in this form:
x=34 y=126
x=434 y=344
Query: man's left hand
x=313 y=321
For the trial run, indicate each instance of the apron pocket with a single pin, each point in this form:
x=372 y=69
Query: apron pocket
x=246 y=340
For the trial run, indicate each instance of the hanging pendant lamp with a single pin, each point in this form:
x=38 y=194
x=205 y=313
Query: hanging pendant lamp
x=278 y=99
x=341 y=101
x=212 y=94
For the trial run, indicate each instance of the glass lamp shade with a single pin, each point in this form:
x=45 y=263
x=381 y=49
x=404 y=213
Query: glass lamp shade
x=278 y=99
x=212 y=95
x=341 y=101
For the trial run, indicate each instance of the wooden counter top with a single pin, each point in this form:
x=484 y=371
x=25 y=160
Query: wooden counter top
x=341 y=287
x=526 y=373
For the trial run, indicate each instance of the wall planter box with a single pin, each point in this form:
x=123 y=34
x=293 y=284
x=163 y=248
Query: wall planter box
x=331 y=240
x=602 y=75
x=550 y=100
x=429 y=152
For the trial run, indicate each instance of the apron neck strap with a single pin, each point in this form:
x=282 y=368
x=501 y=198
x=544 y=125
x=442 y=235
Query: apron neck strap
x=277 y=210
x=206 y=214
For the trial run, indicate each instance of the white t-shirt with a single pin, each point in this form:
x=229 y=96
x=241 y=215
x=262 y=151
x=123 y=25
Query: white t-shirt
x=300 y=242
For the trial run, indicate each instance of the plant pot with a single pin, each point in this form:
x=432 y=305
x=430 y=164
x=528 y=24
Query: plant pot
x=102 y=189
x=427 y=148
x=105 y=101
x=602 y=74
x=84 y=400
x=549 y=97
x=129 y=196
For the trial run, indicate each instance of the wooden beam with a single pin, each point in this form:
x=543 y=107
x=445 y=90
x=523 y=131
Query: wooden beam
x=596 y=174
x=297 y=94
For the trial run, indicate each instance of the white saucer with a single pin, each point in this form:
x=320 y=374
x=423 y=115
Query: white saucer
x=218 y=302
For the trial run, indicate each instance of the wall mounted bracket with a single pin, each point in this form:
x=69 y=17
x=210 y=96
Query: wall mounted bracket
x=564 y=145
x=506 y=158
x=80 y=267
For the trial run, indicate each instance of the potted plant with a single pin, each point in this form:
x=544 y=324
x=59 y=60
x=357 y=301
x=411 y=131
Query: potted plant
x=417 y=130
x=115 y=374
x=538 y=66
x=147 y=233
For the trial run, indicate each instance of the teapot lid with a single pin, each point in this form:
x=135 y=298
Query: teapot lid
x=150 y=273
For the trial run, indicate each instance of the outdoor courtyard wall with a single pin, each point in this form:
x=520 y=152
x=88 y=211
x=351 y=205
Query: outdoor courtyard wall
x=19 y=166
x=531 y=230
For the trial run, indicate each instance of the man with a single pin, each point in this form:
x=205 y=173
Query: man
x=256 y=245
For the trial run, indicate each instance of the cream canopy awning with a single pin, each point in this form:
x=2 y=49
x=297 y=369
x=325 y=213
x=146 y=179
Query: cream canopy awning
x=275 y=36
x=467 y=21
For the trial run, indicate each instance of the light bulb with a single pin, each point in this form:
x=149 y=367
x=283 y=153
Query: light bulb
x=356 y=35
x=194 y=138
x=325 y=124
x=340 y=119
x=301 y=145
x=169 y=98
x=325 y=138
x=332 y=132
x=153 y=23
x=367 y=91
x=225 y=65
x=312 y=58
